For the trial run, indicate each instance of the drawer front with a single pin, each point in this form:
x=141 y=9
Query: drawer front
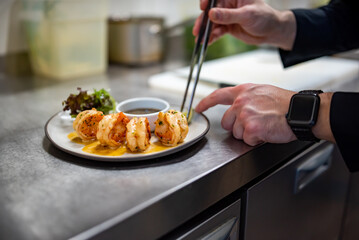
x=304 y=199
x=223 y=224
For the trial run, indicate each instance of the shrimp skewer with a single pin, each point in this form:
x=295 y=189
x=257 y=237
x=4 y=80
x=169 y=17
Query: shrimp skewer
x=138 y=134
x=86 y=124
x=112 y=129
x=171 y=127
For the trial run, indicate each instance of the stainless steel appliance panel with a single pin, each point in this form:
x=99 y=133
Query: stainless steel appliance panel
x=304 y=199
x=350 y=229
x=222 y=225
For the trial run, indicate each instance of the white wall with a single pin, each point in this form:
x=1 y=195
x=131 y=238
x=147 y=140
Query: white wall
x=174 y=11
x=10 y=27
x=178 y=10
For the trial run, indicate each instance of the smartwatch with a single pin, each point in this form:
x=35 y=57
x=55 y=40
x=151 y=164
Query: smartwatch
x=303 y=114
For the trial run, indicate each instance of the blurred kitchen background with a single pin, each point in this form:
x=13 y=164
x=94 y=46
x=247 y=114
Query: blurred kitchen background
x=68 y=39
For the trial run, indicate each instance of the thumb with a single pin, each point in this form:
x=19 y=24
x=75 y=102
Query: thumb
x=226 y=15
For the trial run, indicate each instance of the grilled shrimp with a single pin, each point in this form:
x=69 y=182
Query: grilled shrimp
x=112 y=129
x=86 y=124
x=171 y=127
x=138 y=134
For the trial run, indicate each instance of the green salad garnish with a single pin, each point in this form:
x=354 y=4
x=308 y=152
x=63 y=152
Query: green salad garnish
x=101 y=100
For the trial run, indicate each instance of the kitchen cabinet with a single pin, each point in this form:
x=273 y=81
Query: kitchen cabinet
x=222 y=224
x=350 y=229
x=304 y=199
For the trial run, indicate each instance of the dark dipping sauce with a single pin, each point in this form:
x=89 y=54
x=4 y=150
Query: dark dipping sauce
x=142 y=111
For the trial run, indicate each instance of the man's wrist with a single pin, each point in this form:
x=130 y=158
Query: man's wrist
x=287 y=31
x=322 y=129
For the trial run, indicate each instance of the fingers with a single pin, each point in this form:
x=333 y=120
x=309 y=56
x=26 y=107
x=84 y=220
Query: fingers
x=197 y=25
x=217 y=32
x=252 y=134
x=248 y=132
x=227 y=15
x=203 y=4
x=228 y=119
x=241 y=129
x=238 y=129
x=219 y=96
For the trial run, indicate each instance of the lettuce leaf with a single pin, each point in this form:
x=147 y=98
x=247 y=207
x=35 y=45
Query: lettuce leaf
x=101 y=100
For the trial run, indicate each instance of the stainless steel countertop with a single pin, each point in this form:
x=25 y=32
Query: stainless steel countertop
x=48 y=194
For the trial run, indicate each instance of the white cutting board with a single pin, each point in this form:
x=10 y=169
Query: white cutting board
x=262 y=67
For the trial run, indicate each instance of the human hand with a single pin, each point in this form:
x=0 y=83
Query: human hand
x=257 y=112
x=252 y=21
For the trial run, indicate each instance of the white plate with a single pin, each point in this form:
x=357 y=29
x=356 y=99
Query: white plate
x=60 y=125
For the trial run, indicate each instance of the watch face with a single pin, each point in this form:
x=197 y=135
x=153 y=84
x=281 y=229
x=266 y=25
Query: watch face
x=303 y=110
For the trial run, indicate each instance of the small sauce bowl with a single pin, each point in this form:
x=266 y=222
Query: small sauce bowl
x=143 y=107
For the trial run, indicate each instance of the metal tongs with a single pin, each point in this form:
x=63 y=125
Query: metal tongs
x=198 y=55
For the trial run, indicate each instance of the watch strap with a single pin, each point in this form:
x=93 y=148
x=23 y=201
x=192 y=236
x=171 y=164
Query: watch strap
x=304 y=134
x=311 y=92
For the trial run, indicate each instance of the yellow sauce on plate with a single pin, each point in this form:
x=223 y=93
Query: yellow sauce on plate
x=94 y=147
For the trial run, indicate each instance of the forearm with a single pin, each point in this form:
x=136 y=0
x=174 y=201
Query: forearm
x=323 y=31
x=344 y=119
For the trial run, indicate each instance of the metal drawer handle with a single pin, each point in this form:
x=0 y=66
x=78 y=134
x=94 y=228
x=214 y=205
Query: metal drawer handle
x=227 y=231
x=317 y=163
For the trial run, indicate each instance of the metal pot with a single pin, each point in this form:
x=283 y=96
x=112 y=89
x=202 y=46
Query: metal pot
x=136 y=41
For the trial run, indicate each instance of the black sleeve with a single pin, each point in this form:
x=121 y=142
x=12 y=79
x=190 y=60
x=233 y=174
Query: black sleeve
x=344 y=122
x=324 y=31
